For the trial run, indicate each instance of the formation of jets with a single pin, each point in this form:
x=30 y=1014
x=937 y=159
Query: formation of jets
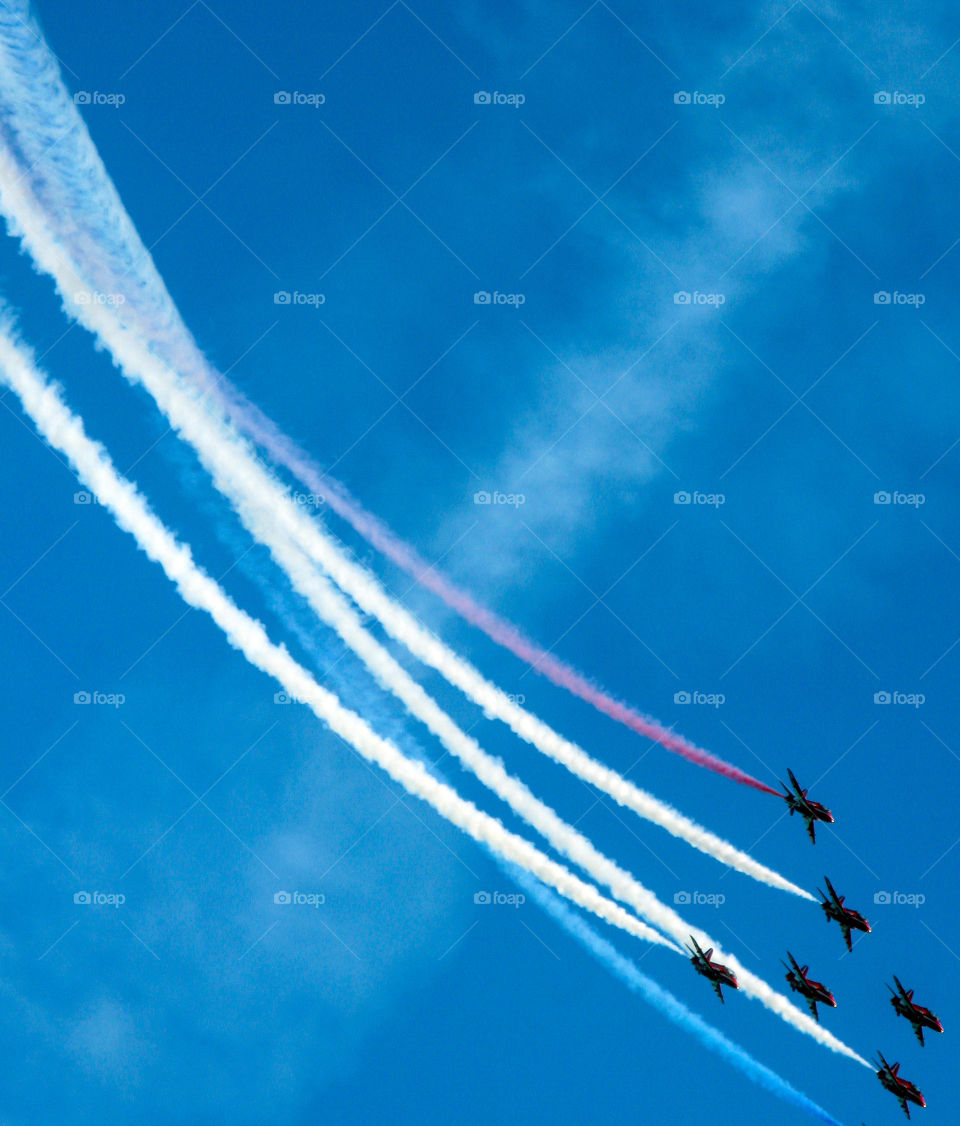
x=815 y=992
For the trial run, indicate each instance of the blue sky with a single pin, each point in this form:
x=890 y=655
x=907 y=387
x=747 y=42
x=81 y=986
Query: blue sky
x=599 y=398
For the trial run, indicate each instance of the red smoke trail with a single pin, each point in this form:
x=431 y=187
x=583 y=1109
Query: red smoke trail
x=284 y=452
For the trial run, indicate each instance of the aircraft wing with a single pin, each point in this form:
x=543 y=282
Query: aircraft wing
x=719 y=990
x=812 y=1005
x=845 y=927
x=918 y=1029
x=811 y=830
x=796 y=968
x=796 y=784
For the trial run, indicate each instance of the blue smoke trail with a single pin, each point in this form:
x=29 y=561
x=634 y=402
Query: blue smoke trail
x=671 y=1007
x=351 y=681
x=347 y=679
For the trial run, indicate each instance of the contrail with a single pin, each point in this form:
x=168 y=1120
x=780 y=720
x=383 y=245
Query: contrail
x=282 y=451
x=622 y=968
x=662 y=1000
x=64 y=431
x=296 y=542
x=54 y=135
x=644 y=901
x=608 y=956
x=264 y=503
x=229 y=459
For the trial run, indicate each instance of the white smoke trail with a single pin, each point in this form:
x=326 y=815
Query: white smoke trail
x=65 y=432
x=236 y=472
x=671 y=1007
x=233 y=464
x=56 y=251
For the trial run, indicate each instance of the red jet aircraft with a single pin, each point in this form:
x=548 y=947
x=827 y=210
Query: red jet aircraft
x=848 y=919
x=716 y=974
x=814 y=992
x=902 y=1089
x=811 y=811
x=918 y=1016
